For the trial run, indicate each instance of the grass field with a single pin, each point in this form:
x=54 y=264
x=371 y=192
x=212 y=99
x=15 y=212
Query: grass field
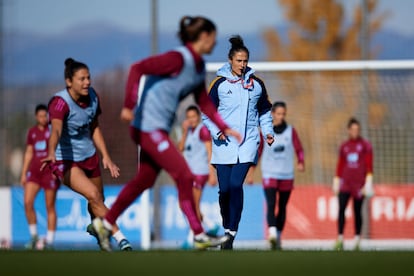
x=252 y=263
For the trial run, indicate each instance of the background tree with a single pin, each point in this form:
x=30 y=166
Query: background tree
x=317 y=30
x=320 y=103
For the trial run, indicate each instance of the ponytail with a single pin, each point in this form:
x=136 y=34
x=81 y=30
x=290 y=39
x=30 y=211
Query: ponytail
x=192 y=27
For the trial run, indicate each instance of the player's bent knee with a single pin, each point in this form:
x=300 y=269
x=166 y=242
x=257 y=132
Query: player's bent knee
x=95 y=198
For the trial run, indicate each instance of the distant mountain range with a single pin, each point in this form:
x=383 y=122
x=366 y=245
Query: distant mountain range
x=35 y=59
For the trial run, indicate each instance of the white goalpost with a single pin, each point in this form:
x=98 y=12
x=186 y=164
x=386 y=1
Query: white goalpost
x=297 y=66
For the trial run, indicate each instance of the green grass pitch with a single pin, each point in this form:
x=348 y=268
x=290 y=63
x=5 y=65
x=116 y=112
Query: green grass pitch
x=252 y=263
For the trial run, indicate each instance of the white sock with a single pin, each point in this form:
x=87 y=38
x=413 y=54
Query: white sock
x=33 y=230
x=107 y=225
x=357 y=238
x=233 y=233
x=272 y=232
x=50 y=236
x=340 y=237
x=202 y=235
x=190 y=237
x=118 y=236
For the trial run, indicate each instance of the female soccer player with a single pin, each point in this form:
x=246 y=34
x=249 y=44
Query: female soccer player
x=169 y=78
x=278 y=166
x=195 y=144
x=242 y=100
x=33 y=179
x=353 y=179
x=74 y=138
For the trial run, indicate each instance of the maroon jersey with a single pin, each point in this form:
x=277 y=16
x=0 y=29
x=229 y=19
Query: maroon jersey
x=38 y=139
x=354 y=163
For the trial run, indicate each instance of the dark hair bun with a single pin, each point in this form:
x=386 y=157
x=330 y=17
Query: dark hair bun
x=69 y=61
x=237 y=45
x=71 y=66
x=236 y=41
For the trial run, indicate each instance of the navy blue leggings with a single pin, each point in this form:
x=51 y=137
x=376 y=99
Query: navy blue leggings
x=231 y=179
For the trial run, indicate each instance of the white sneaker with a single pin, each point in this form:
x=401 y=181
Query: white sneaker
x=202 y=241
x=273 y=242
x=103 y=234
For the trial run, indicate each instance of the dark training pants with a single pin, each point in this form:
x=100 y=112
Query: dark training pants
x=231 y=179
x=278 y=219
x=343 y=202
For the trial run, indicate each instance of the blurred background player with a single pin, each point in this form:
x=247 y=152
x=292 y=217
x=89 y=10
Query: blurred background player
x=242 y=100
x=278 y=170
x=75 y=137
x=33 y=179
x=353 y=179
x=195 y=144
x=168 y=78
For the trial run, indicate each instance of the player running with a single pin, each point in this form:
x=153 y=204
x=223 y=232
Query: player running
x=74 y=139
x=353 y=179
x=33 y=179
x=169 y=78
x=278 y=167
x=241 y=98
x=195 y=144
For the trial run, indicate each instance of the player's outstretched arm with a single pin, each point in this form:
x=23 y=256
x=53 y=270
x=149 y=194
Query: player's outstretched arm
x=127 y=115
x=99 y=142
x=210 y=110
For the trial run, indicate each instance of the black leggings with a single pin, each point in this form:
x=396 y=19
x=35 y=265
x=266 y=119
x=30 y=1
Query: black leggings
x=343 y=202
x=271 y=199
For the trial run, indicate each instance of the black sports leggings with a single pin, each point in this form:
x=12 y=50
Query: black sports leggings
x=343 y=202
x=271 y=199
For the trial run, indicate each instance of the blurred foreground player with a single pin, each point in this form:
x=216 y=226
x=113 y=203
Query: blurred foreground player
x=353 y=179
x=195 y=144
x=164 y=81
x=74 y=140
x=278 y=170
x=33 y=179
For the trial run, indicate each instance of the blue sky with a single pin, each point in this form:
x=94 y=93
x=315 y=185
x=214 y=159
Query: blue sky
x=231 y=16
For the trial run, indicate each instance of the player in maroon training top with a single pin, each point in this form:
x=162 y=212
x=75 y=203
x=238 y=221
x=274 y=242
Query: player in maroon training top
x=353 y=178
x=164 y=81
x=33 y=179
